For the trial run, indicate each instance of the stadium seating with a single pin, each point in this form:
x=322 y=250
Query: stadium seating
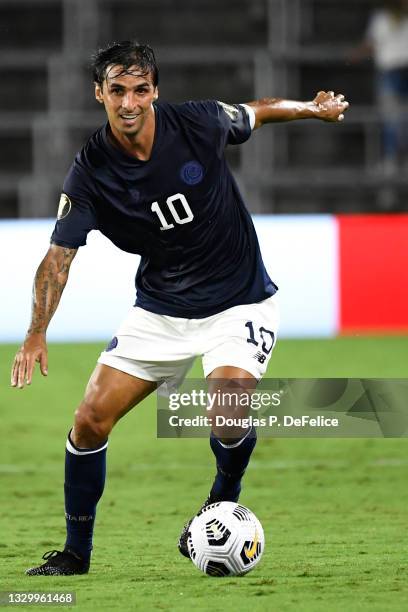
x=240 y=23
x=18 y=18
x=30 y=30
x=233 y=50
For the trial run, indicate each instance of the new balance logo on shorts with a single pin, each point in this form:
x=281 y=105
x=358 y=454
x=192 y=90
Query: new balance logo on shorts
x=260 y=357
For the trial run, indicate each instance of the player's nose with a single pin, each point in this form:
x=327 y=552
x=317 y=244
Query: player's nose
x=128 y=101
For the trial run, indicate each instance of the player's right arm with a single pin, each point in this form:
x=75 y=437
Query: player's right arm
x=49 y=282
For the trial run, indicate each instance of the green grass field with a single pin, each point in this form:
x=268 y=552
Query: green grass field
x=334 y=511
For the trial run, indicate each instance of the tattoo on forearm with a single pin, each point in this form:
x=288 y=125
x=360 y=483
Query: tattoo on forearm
x=49 y=283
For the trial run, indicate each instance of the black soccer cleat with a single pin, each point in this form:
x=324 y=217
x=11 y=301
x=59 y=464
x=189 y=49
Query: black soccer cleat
x=182 y=543
x=60 y=563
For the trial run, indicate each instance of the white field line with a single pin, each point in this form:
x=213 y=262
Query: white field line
x=294 y=464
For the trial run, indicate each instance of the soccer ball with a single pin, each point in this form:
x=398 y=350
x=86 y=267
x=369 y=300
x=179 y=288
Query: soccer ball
x=225 y=539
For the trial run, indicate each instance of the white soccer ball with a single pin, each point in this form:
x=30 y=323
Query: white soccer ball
x=226 y=539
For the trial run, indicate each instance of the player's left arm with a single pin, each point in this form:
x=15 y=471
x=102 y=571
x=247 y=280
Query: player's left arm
x=326 y=106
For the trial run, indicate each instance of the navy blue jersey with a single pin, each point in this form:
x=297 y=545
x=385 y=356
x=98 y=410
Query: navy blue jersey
x=181 y=211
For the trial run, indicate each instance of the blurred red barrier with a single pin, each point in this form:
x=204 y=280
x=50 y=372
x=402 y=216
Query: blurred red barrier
x=373 y=273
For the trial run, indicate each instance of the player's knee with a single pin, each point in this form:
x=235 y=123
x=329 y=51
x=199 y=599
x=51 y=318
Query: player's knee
x=91 y=426
x=227 y=434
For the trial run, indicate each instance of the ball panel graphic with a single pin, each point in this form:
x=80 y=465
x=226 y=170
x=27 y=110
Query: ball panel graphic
x=217 y=533
x=217 y=568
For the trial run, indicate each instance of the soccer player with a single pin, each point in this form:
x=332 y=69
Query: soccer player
x=154 y=180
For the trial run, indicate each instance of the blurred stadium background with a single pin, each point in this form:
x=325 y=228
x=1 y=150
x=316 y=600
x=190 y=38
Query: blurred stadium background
x=235 y=50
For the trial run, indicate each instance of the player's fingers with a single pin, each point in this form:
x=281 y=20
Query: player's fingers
x=331 y=94
x=29 y=370
x=321 y=95
x=340 y=118
x=44 y=363
x=16 y=369
x=21 y=372
x=14 y=372
x=340 y=97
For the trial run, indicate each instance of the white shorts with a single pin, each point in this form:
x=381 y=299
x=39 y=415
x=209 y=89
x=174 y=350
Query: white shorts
x=162 y=348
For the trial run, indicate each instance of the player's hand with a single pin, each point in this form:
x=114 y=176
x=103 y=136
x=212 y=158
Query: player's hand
x=34 y=349
x=330 y=107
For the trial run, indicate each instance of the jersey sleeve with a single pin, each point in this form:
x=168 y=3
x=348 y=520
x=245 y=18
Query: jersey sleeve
x=235 y=121
x=219 y=123
x=76 y=214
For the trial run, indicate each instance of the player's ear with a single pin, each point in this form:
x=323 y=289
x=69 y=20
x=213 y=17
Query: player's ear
x=156 y=93
x=98 y=93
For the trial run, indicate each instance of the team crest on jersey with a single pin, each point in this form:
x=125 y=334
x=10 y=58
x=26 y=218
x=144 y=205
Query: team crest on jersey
x=64 y=206
x=231 y=111
x=192 y=173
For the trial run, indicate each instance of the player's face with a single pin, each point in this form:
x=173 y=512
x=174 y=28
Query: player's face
x=128 y=97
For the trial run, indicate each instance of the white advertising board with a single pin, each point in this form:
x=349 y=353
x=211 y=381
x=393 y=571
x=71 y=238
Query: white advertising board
x=300 y=253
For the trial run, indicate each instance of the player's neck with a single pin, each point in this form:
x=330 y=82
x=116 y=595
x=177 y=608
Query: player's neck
x=138 y=144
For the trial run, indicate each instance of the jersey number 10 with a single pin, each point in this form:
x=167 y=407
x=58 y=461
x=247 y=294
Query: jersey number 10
x=187 y=218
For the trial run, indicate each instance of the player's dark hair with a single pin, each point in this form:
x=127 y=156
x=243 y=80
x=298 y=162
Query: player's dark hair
x=126 y=53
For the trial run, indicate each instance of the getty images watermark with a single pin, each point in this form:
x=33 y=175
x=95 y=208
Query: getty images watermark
x=338 y=407
x=229 y=403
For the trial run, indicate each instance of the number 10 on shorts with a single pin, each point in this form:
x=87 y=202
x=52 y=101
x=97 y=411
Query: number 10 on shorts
x=266 y=336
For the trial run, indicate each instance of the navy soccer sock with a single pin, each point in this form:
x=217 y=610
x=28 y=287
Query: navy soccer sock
x=232 y=460
x=85 y=471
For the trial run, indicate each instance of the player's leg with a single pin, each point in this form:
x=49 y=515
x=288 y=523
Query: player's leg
x=127 y=371
x=241 y=341
x=232 y=445
x=109 y=395
x=239 y=345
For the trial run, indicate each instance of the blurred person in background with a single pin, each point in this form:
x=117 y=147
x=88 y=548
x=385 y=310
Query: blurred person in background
x=386 y=41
